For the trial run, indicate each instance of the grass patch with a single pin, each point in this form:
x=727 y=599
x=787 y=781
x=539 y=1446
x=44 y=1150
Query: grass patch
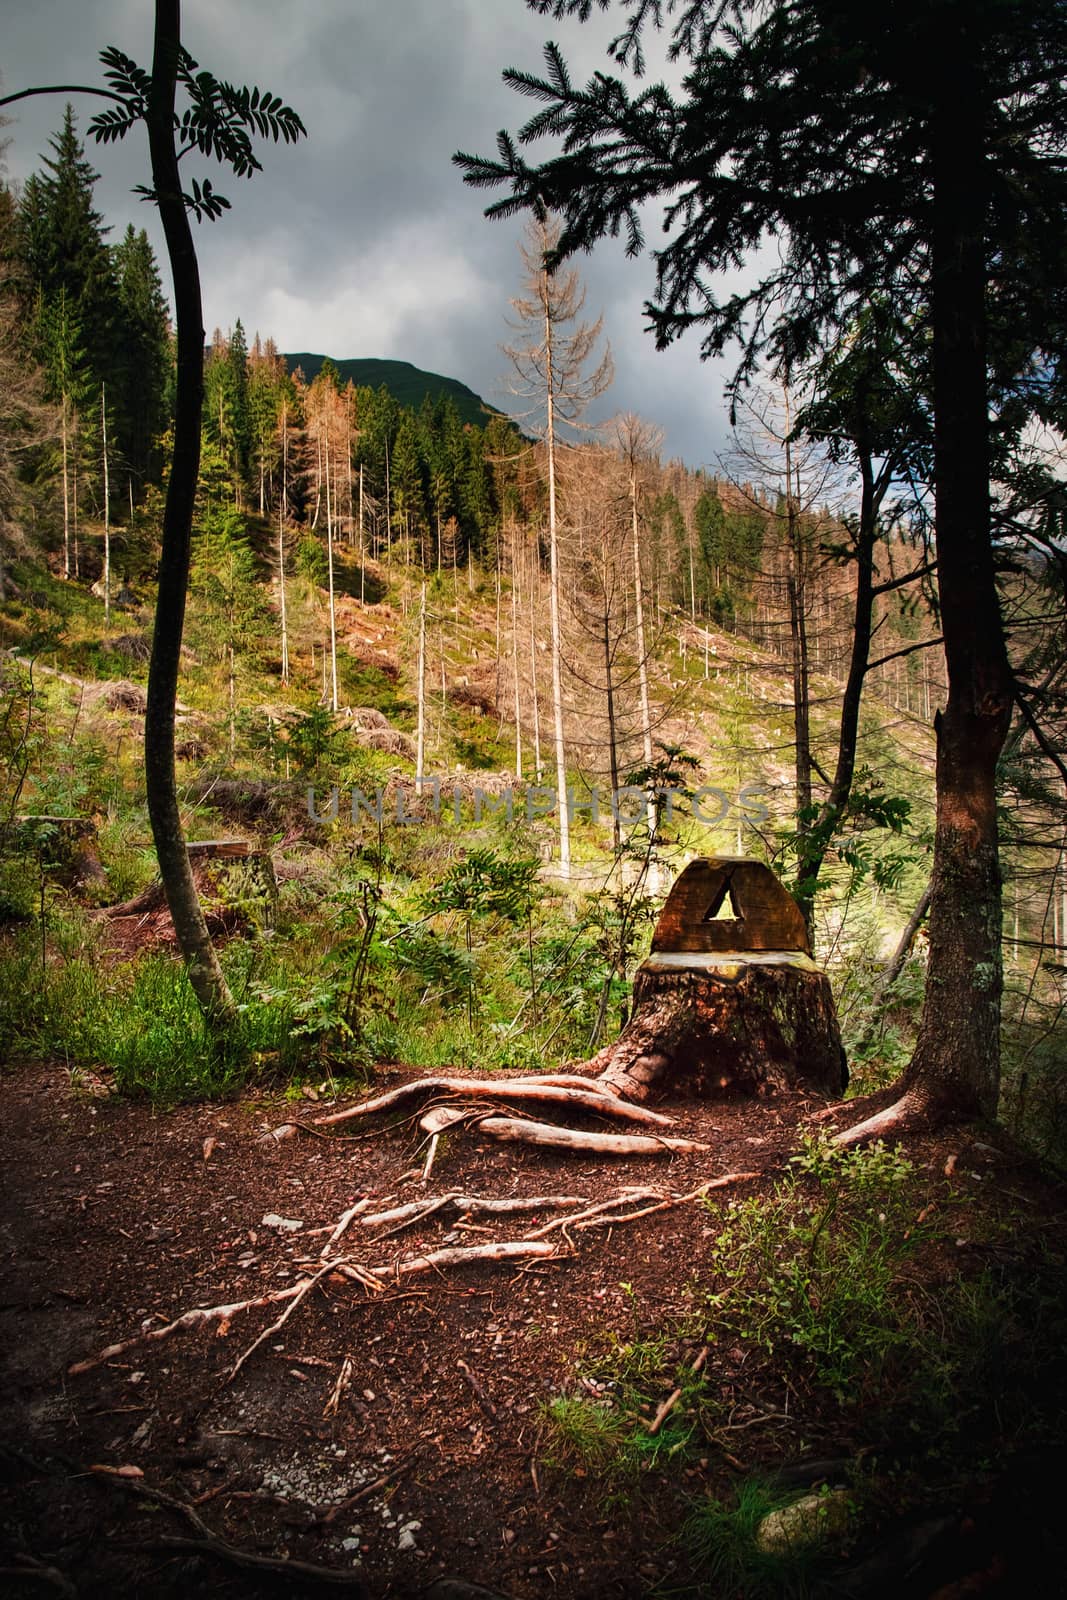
x=721 y=1543
x=815 y=1272
x=139 y=1024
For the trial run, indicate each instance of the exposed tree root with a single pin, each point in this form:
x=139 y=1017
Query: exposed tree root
x=199 y=1316
x=462 y=1255
x=669 y=1203
x=517 y=1130
x=305 y=1289
x=587 y=1098
x=464 y=1205
x=375 y=1279
x=209 y=1543
x=912 y=1113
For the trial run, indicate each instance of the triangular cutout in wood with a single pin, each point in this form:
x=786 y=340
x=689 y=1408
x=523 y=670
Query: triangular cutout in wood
x=724 y=907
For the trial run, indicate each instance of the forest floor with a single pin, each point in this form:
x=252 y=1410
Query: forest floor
x=439 y=1457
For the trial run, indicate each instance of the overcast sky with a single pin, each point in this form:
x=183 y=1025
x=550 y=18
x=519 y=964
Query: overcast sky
x=363 y=240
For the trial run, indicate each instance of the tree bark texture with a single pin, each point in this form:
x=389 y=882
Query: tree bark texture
x=715 y=1026
x=956 y=1065
x=194 y=940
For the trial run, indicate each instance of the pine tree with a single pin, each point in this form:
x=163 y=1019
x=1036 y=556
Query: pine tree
x=63 y=245
x=918 y=158
x=141 y=377
x=60 y=347
x=227 y=615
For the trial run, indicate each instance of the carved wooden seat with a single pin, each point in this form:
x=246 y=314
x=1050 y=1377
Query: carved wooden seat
x=761 y=914
x=729 y=998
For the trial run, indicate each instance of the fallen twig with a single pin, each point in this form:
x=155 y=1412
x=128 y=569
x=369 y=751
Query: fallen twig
x=663 y=1413
x=675 y=1395
x=344 y=1378
x=479 y=1392
x=365 y=1493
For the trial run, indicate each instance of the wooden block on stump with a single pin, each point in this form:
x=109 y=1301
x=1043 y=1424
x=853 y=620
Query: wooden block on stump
x=729 y=999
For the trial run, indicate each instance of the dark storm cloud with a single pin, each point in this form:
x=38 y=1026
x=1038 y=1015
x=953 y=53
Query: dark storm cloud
x=363 y=240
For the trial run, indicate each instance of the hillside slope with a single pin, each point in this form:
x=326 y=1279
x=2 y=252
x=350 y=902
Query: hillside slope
x=408 y=384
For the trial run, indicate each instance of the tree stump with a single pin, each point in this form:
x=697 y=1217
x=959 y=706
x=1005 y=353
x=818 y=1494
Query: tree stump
x=65 y=847
x=729 y=1001
x=235 y=882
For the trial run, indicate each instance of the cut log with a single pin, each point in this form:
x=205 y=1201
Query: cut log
x=711 y=1024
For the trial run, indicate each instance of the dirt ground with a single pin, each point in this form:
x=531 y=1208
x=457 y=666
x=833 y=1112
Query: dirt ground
x=429 y=1463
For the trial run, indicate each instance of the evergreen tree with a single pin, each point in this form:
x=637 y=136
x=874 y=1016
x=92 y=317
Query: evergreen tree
x=142 y=358
x=916 y=157
x=60 y=347
x=63 y=244
x=227 y=616
x=237 y=361
x=710 y=521
x=269 y=388
x=407 y=483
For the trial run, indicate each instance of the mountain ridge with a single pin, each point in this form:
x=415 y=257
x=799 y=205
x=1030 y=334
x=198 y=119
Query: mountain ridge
x=408 y=384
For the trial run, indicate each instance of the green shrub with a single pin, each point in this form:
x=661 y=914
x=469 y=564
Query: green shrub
x=822 y=1283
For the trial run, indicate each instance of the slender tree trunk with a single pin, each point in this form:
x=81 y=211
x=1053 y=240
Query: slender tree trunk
x=900 y=955
x=798 y=639
x=613 y=751
x=362 y=545
x=74 y=508
x=420 y=726
x=515 y=677
x=639 y=624
x=107 y=509
x=956 y=1065
x=283 y=507
x=553 y=606
x=814 y=841
x=538 y=765
x=329 y=564
x=231 y=657
x=202 y=963
x=66 y=489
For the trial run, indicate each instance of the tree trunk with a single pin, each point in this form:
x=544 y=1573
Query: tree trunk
x=282 y=515
x=66 y=492
x=107 y=509
x=553 y=609
x=420 y=726
x=713 y=1025
x=814 y=841
x=329 y=563
x=956 y=1065
x=194 y=941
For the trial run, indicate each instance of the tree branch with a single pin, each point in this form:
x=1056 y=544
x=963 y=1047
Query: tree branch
x=908 y=577
x=63 y=88
x=1038 y=732
x=923 y=644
